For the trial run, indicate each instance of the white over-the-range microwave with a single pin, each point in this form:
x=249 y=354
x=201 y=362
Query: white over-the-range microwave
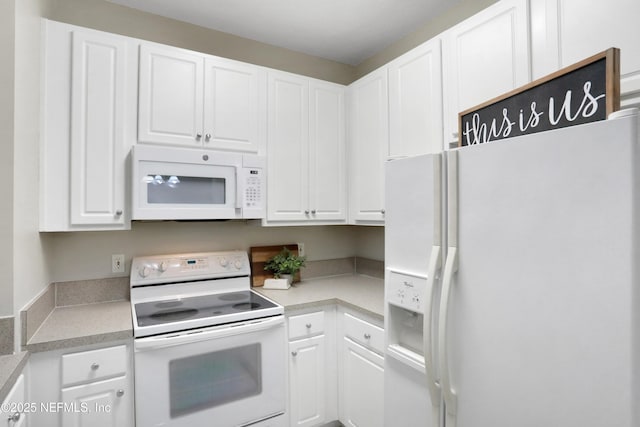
x=193 y=184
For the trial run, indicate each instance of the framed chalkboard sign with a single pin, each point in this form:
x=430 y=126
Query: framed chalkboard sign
x=581 y=93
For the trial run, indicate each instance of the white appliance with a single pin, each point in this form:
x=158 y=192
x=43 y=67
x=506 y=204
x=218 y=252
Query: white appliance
x=207 y=348
x=191 y=184
x=534 y=318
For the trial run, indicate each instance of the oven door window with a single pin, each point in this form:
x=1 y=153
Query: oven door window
x=208 y=380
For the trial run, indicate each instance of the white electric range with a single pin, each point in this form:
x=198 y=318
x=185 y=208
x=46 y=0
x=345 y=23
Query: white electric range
x=206 y=346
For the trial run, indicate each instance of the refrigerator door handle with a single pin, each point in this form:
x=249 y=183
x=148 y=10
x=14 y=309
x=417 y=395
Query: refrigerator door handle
x=449 y=394
x=432 y=381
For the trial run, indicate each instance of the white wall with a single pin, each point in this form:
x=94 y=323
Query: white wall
x=30 y=273
x=7 y=48
x=87 y=255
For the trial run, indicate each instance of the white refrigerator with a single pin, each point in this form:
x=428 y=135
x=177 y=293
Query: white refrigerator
x=512 y=294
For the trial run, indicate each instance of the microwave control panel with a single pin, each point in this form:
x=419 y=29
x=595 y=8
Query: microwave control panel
x=253 y=203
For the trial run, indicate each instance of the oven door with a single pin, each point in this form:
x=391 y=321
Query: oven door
x=230 y=375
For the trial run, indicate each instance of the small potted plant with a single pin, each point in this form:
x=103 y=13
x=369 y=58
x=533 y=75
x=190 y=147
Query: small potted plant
x=285 y=265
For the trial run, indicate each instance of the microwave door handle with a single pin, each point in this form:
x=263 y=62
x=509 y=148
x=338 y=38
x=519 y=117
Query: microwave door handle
x=239 y=189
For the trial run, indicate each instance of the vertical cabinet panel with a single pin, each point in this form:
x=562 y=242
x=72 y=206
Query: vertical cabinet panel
x=307 y=386
x=362 y=395
x=171 y=96
x=288 y=142
x=369 y=139
x=97 y=129
x=231 y=105
x=327 y=158
x=485 y=56
x=415 y=102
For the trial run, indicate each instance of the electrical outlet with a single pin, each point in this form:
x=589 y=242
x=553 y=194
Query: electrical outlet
x=300 y=249
x=117 y=263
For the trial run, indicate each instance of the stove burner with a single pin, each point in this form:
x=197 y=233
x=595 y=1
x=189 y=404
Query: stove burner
x=169 y=304
x=232 y=297
x=246 y=306
x=172 y=315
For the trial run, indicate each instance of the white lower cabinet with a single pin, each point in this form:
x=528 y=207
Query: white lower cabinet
x=312 y=368
x=13 y=406
x=361 y=371
x=92 y=386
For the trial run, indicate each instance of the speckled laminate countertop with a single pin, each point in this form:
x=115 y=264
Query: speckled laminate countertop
x=362 y=293
x=10 y=369
x=85 y=324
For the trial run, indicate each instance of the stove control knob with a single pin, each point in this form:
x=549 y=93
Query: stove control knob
x=163 y=266
x=238 y=264
x=144 y=271
x=224 y=262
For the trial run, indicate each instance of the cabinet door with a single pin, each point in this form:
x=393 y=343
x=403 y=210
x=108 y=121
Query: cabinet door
x=369 y=139
x=485 y=56
x=171 y=96
x=231 y=103
x=307 y=387
x=14 y=403
x=288 y=147
x=97 y=129
x=99 y=404
x=362 y=391
x=415 y=102
x=575 y=31
x=327 y=157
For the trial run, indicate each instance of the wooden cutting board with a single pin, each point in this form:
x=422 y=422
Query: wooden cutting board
x=258 y=256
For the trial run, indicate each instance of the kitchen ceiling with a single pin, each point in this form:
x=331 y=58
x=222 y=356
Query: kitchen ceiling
x=347 y=31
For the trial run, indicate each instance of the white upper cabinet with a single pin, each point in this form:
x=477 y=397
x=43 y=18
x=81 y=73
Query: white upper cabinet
x=415 y=101
x=305 y=150
x=88 y=122
x=171 y=102
x=484 y=56
x=327 y=155
x=196 y=100
x=568 y=31
x=368 y=142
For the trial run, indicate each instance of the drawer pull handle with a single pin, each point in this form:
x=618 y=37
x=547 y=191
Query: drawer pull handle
x=95 y=366
x=14 y=418
x=120 y=393
x=308 y=325
x=294 y=353
x=367 y=336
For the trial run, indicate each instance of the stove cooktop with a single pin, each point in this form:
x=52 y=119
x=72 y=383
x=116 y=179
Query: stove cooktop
x=200 y=307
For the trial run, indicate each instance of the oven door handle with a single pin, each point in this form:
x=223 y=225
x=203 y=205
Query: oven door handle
x=186 y=337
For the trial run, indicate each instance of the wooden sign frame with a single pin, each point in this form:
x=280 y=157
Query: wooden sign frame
x=532 y=108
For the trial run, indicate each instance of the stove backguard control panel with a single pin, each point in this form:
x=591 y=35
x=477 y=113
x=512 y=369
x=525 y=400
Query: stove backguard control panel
x=185 y=267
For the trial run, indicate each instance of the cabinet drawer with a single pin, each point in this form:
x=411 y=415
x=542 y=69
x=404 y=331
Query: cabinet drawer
x=306 y=325
x=364 y=333
x=94 y=365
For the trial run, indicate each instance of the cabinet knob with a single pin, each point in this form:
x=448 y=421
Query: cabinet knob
x=382 y=211
x=294 y=353
x=119 y=212
x=198 y=136
x=120 y=393
x=367 y=336
x=207 y=137
x=306 y=212
x=95 y=366
x=308 y=325
x=15 y=417
x=313 y=212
